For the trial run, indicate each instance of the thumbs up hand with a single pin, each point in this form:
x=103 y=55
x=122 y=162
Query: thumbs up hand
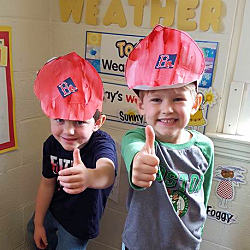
x=145 y=163
x=77 y=178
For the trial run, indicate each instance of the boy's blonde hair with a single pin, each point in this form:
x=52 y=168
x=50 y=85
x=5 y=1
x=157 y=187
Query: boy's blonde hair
x=190 y=86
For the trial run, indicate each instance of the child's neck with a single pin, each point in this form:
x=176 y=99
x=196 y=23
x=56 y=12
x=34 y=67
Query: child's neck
x=184 y=137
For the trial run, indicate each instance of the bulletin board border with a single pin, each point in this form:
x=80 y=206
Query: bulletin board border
x=5 y=32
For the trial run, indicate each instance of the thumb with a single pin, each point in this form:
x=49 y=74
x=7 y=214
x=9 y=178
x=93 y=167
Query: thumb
x=77 y=157
x=44 y=241
x=150 y=139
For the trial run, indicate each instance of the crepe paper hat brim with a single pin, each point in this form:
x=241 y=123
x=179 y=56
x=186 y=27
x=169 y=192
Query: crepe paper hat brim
x=166 y=58
x=69 y=88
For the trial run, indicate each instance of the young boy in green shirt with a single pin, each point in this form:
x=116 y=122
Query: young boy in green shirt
x=169 y=167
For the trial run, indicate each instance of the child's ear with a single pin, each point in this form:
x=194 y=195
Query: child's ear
x=197 y=103
x=99 y=122
x=140 y=106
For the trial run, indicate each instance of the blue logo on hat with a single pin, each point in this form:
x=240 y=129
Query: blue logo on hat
x=166 y=61
x=67 y=87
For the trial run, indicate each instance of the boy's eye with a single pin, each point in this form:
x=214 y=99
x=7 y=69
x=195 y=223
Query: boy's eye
x=155 y=100
x=179 y=99
x=59 y=121
x=80 y=123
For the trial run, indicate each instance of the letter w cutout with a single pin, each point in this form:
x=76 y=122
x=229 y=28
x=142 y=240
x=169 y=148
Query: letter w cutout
x=68 y=6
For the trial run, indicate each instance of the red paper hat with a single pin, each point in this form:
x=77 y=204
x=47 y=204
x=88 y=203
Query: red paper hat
x=69 y=88
x=165 y=58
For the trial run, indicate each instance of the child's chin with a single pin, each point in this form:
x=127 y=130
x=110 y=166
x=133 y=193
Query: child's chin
x=69 y=147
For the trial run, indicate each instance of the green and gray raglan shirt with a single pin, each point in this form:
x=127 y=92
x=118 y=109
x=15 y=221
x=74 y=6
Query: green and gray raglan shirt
x=171 y=213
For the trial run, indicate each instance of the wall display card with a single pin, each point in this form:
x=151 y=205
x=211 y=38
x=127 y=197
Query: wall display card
x=209 y=50
x=120 y=104
x=108 y=53
x=228 y=180
x=199 y=121
x=7 y=122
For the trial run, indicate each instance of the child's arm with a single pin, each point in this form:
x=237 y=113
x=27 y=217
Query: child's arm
x=76 y=179
x=145 y=163
x=44 y=196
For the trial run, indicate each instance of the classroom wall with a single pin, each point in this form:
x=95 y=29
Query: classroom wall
x=20 y=169
x=38 y=34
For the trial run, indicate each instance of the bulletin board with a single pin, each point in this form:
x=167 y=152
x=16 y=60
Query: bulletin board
x=7 y=117
x=108 y=53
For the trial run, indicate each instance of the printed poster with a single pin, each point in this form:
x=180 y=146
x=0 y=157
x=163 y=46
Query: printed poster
x=7 y=121
x=120 y=105
x=229 y=180
x=108 y=52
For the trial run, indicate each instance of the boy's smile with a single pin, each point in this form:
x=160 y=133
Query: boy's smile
x=72 y=134
x=168 y=112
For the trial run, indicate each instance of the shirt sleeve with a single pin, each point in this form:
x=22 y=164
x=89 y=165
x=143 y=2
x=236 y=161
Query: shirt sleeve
x=47 y=171
x=208 y=151
x=105 y=148
x=208 y=177
x=132 y=143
